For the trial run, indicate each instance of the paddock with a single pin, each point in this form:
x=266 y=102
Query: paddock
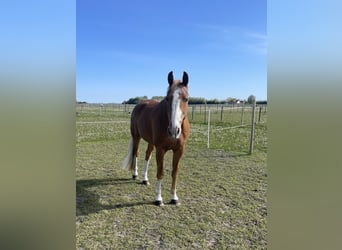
x=223 y=188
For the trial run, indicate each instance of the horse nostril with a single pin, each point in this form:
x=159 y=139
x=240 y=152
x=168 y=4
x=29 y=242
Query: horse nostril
x=173 y=132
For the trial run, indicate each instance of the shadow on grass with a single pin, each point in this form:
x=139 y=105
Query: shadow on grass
x=239 y=154
x=88 y=202
x=101 y=182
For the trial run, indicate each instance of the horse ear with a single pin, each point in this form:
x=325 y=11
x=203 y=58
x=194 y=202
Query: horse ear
x=170 y=78
x=185 y=79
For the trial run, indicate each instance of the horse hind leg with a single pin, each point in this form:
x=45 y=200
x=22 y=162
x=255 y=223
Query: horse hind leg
x=135 y=153
x=146 y=164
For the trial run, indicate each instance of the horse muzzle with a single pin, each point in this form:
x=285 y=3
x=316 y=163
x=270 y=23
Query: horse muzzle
x=174 y=132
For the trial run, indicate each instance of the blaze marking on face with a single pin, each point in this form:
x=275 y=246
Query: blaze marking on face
x=176 y=112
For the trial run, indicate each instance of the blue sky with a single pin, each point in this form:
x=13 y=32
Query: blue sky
x=126 y=48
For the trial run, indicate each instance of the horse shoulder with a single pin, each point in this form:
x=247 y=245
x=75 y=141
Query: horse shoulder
x=186 y=128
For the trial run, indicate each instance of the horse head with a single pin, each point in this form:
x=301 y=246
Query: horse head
x=177 y=98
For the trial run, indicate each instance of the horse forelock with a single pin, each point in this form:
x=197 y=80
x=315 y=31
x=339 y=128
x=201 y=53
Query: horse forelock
x=176 y=84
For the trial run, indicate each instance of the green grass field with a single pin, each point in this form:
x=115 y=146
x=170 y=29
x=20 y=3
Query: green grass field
x=222 y=190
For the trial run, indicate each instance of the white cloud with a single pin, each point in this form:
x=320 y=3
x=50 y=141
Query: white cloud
x=256 y=42
x=233 y=38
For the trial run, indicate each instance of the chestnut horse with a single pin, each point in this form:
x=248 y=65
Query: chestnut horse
x=165 y=126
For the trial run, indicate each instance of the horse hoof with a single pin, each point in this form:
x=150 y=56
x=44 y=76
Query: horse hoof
x=145 y=183
x=159 y=203
x=134 y=177
x=175 y=202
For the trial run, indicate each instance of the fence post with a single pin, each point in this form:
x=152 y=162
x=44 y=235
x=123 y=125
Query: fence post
x=205 y=113
x=251 y=144
x=192 y=113
x=221 y=112
x=208 y=128
x=242 y=113
x=259 y=114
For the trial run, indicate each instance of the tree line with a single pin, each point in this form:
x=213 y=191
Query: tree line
x=196 y=100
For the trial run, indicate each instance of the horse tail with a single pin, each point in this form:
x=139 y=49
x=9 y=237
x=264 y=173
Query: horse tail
x=128 y=161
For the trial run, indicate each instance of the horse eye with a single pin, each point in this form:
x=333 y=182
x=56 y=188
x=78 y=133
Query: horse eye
x=185 y=99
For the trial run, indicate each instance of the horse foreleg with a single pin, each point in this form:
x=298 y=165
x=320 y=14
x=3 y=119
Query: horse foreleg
x=146 y=164
x=160 y=161
x=175 y=165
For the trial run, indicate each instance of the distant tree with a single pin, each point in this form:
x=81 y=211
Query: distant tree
x=261 y=102
x=158 y=98
x=231 y=100
x=197 y=100
x=135 y=100
x=251 y=99
x=213 y=101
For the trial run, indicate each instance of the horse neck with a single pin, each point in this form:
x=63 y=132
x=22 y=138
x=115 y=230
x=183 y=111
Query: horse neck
x=162 y=112
x=164 y=108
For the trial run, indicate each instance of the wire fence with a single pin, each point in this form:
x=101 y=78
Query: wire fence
x=218 y=126
x=196 y=112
